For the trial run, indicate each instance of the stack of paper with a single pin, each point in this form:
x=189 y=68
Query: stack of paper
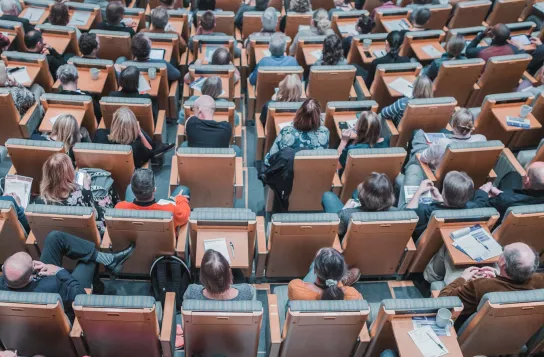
x=19 y=185
x=521 y=39
x=476 y=242
x=396 y=25
x=348 y=28
x=317 y=54
x=523 y=123
x=79 y=18
x=33 y=14
x=209 y=52
x=403 y=86
x=428 y=342
x=421 y=321
x=143 y=84
x=431 y=51
x=219 y=245
x=410 y=191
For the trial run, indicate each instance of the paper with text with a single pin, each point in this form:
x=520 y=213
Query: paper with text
x=143 y=84
x=19 y=185
x=403 y=86
x=219 y=245
x=33 y=14
x=21 y=75
x=427 y=342
x=431 y=51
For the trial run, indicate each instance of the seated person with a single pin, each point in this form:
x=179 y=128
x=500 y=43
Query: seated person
x=364 y=135
x=248 y=5
x=22 y=274
x=277 y=57
x=141 y=49
x=289 y=90
x=10 y=12
x=125 y=130
x=340 y=6
x=68 y=77
x=454 y=51
x=142 y=190
x=385 y=4
x=129 y=78
x=321 y=25
x=16 y=200
x=298 y=6
x=159 y=20
x=332 y=53
x=538 y=56
x=423 y=89
x=35 y=44
x=207 y=27
x=305 y=133
x=393 y=42
x=23 y=98
x=419 y=19
x=517 y=272
x=269 y=19
x=328 y=279
x=205 y=5
x=457 y=193
x=216 y=278
x=59 y=188
x=364 y=26
x=89 y=44
x=514 y=190
x=375 y=194
x=500 y=35
x=220 y=57
x=115 y=11
x=59 y=16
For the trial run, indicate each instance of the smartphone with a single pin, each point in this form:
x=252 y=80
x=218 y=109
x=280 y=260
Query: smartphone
x=343 y=125
x=368 y=54
x=80 y=176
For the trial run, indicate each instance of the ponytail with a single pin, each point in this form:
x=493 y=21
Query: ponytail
x=322 y=26
x=330 y=268
x=394 y=39
x=332 y=291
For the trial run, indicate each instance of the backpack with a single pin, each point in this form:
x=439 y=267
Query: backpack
x=102 y=187
x=169 y=274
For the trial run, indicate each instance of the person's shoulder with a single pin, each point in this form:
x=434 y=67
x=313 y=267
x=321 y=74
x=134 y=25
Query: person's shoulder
x=245 y=291
x=194 y=292
x=351 y=293
x=323 y=129
x=101 y=135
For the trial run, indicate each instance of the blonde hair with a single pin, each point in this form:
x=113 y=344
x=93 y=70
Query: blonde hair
x=423 y=87
x=66 y=130
x=368 y=128
x=124 y=127
x=290 y=89
x=57 y=178
x=455 y=45
x=463 y=121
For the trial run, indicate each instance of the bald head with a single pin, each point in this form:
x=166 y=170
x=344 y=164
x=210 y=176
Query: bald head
x=17 y=270
x=518 y=262
x=204 y=107
x=500 y=34
x=535 y=176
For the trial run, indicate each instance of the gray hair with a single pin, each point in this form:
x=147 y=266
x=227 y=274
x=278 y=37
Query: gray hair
x=10 y=7
x=269 y=19
x=143 y=184
x=517 y=269
x=159 y=18
x=277 y=44
x=67 y=73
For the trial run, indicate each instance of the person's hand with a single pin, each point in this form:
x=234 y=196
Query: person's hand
x=535 y=41
x=347 y=134
x=435 y=194
x=470 y=273
x=486 y=272
x=45 y=51
x=87 y=181
x=494 y=192
x=49 y=270
x=131 y=23
x=487 y=31
x=486 y=187
x=425 y=186
x=16 y=197
x=37 y=266
x=12 y=81
x=199 y=30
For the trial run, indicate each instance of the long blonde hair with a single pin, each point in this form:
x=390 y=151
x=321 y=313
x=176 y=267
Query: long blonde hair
x=463 y=121
x=124 y=127
x=290 y=89
x=58 y=178
x=66 y=130
x=423 y=87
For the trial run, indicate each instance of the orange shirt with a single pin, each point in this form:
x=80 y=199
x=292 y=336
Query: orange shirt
x=299 y=290
x=181 y=209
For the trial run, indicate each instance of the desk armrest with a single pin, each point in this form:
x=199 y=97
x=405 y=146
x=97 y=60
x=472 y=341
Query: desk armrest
x=76 y=335
x=406 y=260
x=392 y=130
x=426 y=169
x=106 y=242
x=251 y=91
x=29 y=122
x=530 y=78
x=337 y=245
x=182 y=242
x=261 y=137
x=508 y=155
x=168 y=323
x=336 y=184
x=173 y=99
x=366 y=93
x=180 y=135
x=160 y=126
x=239 y=177
x=274 y=326
x=364 y=341
x=262 y=251
x=32 y=246
x=173 y=175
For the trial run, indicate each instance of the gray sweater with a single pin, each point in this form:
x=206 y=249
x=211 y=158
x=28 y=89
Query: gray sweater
x=196 y=292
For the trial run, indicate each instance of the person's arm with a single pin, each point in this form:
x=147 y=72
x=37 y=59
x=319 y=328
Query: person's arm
x=472 y=49
x=393 y=110
x=480 y=199
x=173 y=73
x=293 y=47
x=464 y=288
x=182 y=211
x=423 y=188
x=538 y=56
x=276 y=146
x=432 y=70
x=432 y=153
x=347 y=136
x=144 y=139
x=70 y=287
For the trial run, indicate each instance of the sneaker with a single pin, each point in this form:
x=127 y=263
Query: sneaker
x=353 y=276
x=161 y=148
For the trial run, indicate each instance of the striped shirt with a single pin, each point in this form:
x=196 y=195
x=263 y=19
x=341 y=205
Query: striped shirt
x=395 y=111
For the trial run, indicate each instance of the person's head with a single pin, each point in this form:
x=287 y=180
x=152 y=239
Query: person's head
x=58 y=14
x=129 y=79
x=393 y=41
x=308 y=116
x=58 y=178
x=212 y=86
x=269 y=19
x=277 y=44
x=462 y=122
x=67 y=75
x=17 y=270
x=4 y=42
x=115 y=11
x=204 y=107
x=215 y=273
x=332 y=50
x=457 y=189
x=423 y=88
x=89 y=44
x=368 y=128
x=142 y=184
x=455 y=45
x=9 y=7
x=290 y=89
x=205 y=5
x=66 y=130
x=376 y=193
x=500 y=34
x=535 y=176
x=330 y=268
x=159 y=18
x=221 y=56
x=261 y=5
x=167 y=4
x=518 y=262
x=34 y=41
x=321 y=22
x=422 y=16
x=300 y=6
x=365 y=24
x=124 y=127
x=141 y=46
x=207 y=21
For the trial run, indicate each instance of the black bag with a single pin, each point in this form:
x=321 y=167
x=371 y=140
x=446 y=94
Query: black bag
x=169 y=274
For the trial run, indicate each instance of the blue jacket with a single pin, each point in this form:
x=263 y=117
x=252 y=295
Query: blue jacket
x=273 y=61
x=432 y=70
x=20 y=212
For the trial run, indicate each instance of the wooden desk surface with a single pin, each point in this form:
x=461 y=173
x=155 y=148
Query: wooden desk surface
x=308 y=49
x=500 y=113
x=458 y=257
x=260 y=52
x=167 y=47
x=388 y=78
x=343 y=117
x=58 y=42
x=54 y=110
x=343 y=22
x=86 y=26
x=395 y=18
x=85 y=83
x=422 y=55
x=154 y=84
x=407 y=347
x=177 y=24
x=31 y=69
x=378 y=46
x=42 y=19
x=239 y=240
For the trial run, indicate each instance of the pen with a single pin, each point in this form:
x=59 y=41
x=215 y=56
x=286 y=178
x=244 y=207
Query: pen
x=232 y=248
x=15 y=69
x=439 y=345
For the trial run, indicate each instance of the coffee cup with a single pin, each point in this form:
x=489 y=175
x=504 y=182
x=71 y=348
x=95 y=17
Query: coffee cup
x=525 y=110
x=94 y=73
x=366 y=43
x=152 y=73
x=443 y=318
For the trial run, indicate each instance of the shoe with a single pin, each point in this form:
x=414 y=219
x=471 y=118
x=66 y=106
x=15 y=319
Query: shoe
x=161 y=148
x=119 y=259
x=353 y=276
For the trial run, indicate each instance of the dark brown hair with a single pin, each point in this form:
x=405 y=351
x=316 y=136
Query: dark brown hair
x=308 y=116
x=376 y=193
x=215 y=273
x=129 y=78
x=141 y=46
x=368 y=128
x=59 y=14
x=207 y=20
x=114 y=13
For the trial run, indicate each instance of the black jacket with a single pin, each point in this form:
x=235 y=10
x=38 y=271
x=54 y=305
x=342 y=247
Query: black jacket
x=121 y=27
x=54 y=60
x=516 y=197
x=537 y=61
x=27 y=26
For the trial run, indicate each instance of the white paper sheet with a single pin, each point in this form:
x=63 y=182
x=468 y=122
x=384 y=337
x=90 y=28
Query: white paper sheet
x=379 y=53
x=79 y=18
x=197 y=84
x=403 y=86
x=427 y=342
x=20 y=185
x=396 y=25
x=283 y=125
x=420 y=321
x=317 y=54
x=209 y=52
x=267 y=53
x=348 y=28
x=21 y=75
x=157 y=53
x=410 y=191
x=52 y=120
x=219 y=245
x=521 y=39
x=33 y=14
x=143 y=84
x=431 y=51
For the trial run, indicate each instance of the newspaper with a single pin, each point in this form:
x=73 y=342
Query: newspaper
x=219 y=245
x=19 y=185
x=476 y=242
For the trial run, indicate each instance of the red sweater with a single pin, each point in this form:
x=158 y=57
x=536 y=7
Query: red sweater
x=181 y=209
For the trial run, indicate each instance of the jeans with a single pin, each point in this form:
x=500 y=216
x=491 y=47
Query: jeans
x=180 y=190
x=412 y=177
x=331 y=203
x=236 y=148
